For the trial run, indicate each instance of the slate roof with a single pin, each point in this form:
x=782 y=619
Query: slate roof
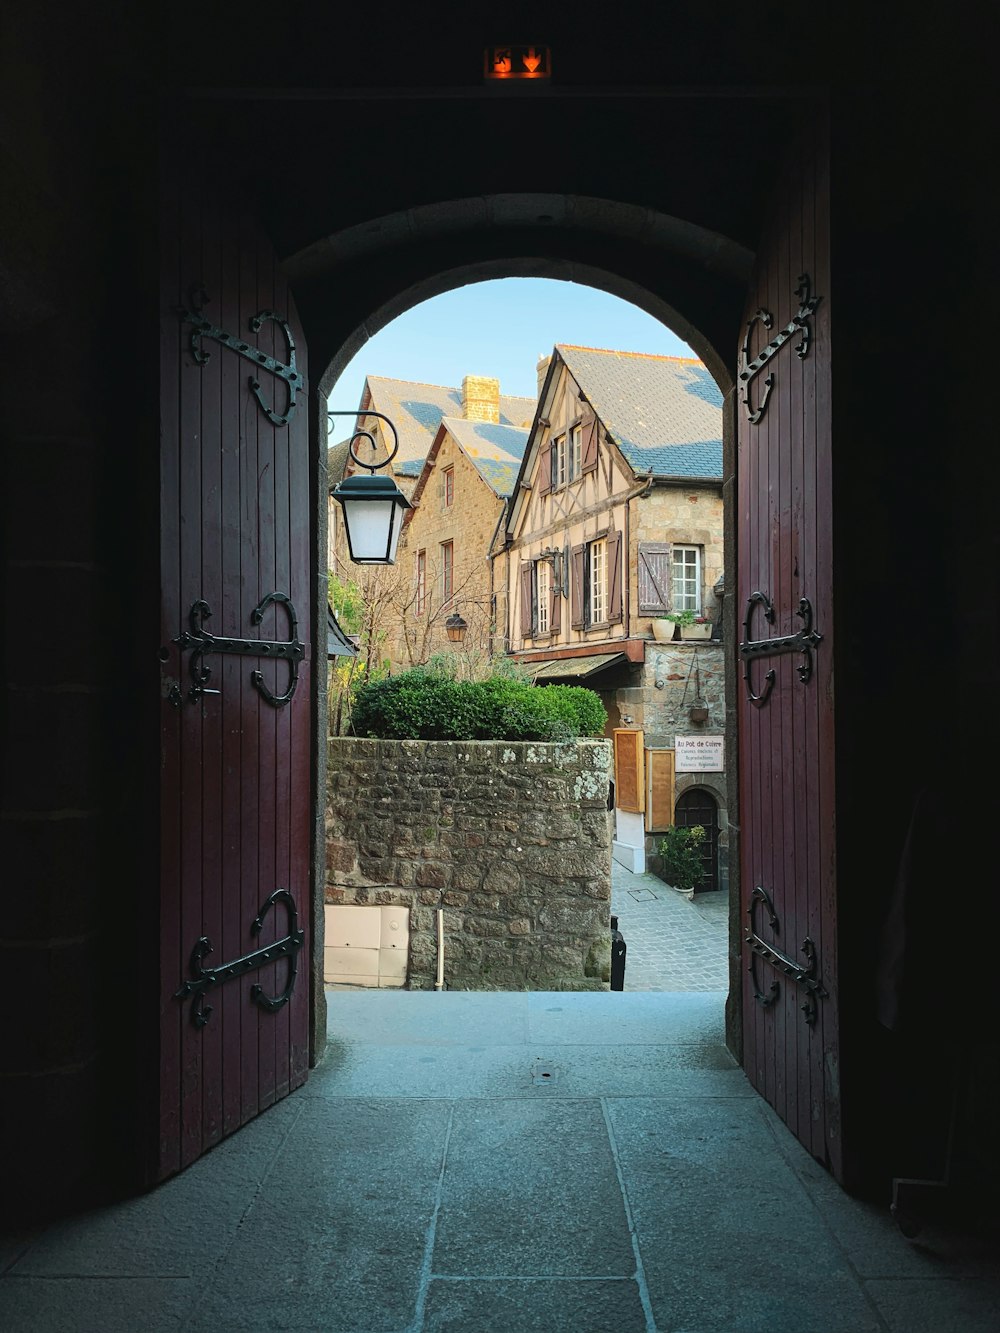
x=663 y=412
x=416 y=410
x=496 y=450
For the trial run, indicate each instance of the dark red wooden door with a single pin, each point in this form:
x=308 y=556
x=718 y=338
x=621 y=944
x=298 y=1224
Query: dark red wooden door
x=235 y=785
x=791 y=1043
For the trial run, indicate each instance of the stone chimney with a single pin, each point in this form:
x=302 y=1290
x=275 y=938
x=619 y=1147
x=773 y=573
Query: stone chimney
x=480 y=399
x=541 y=370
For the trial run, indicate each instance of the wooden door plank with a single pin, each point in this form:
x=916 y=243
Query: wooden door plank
x=190 y=521
x=249 y=697
x=268 y=451
x=211 y=707
x=165 y=1155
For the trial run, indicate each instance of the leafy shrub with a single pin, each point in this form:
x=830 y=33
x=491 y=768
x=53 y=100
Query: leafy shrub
x=680 y=849
x=427 y=703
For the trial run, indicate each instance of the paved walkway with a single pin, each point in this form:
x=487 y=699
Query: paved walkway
x=504 y=1163
x=671 y=943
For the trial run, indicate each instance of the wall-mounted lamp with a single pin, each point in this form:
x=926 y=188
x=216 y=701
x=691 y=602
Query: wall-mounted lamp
x=455 y=627
x=373 y=506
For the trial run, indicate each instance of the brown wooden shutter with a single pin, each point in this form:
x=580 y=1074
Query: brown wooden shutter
x=659 y=790
x=614 y=576
x=590 y=428
x=555 y=606
x=545 y=469
x=630 y=789
x=576 y=583
x=654 y=577
x=527 y=577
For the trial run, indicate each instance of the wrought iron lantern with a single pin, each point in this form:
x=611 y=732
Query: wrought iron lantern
x=373 y=506
x=455 y=627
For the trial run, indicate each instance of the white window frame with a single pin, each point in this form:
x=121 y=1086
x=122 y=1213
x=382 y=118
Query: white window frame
x=449 y=487
x=685 y=578
x=421 y=598
x=559 y=462
x=447 y=572
x=597 y=568
x=543 y=586
x=575 y=452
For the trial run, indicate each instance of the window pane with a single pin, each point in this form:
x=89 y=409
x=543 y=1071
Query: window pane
x=598 y=581
x=685 y=582
x=542 y=595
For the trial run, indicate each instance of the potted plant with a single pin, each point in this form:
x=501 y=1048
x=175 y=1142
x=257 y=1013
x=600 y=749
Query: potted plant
x=698 y=627
x=680 y=849
x=686 y=623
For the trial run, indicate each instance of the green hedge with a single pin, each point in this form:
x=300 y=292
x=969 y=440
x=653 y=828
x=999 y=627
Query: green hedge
x=425 y=704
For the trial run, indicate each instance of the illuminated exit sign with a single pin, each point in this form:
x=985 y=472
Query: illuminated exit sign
x=518 y=62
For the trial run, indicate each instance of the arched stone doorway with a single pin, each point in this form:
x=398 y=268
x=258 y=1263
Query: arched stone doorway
x=697 y=805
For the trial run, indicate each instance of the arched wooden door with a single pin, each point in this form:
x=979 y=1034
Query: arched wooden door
x=785 y=690
x=234 y=687
x=698 y=806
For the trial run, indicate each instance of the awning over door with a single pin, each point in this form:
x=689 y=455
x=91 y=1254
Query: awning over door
x=574 y=668
x=337 y=642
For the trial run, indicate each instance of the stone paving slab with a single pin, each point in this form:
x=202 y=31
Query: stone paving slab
x=533 y=1305
x=374 y=1201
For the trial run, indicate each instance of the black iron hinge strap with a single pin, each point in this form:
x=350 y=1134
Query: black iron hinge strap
x=197 y=638
x=204 y=328
x=804 y=976
x=804 y=642
x=202 y=978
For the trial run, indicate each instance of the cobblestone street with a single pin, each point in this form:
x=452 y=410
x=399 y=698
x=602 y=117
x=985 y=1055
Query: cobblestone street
x=672 y=944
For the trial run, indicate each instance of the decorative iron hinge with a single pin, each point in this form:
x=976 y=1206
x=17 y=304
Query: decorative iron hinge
x=803 y=642
x=803 y=976
x=204 y=328
x=798 y=324
x=202 y=978
x=290 y=651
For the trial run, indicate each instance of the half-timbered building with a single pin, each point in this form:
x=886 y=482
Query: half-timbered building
x=616 y=523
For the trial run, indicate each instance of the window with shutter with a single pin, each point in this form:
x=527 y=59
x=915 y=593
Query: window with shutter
x=654 y=577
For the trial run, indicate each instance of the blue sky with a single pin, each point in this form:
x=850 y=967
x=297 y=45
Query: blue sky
x=500 y=328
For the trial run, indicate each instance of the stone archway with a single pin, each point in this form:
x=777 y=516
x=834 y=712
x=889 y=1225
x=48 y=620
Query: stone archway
x=352 y=283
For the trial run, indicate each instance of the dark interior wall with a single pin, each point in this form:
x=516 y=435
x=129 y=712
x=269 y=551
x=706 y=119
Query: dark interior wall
x=78 y=335
x=913 y=425
x=917 y=559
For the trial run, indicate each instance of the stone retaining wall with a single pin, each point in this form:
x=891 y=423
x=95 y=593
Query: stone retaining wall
x=512 y=839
